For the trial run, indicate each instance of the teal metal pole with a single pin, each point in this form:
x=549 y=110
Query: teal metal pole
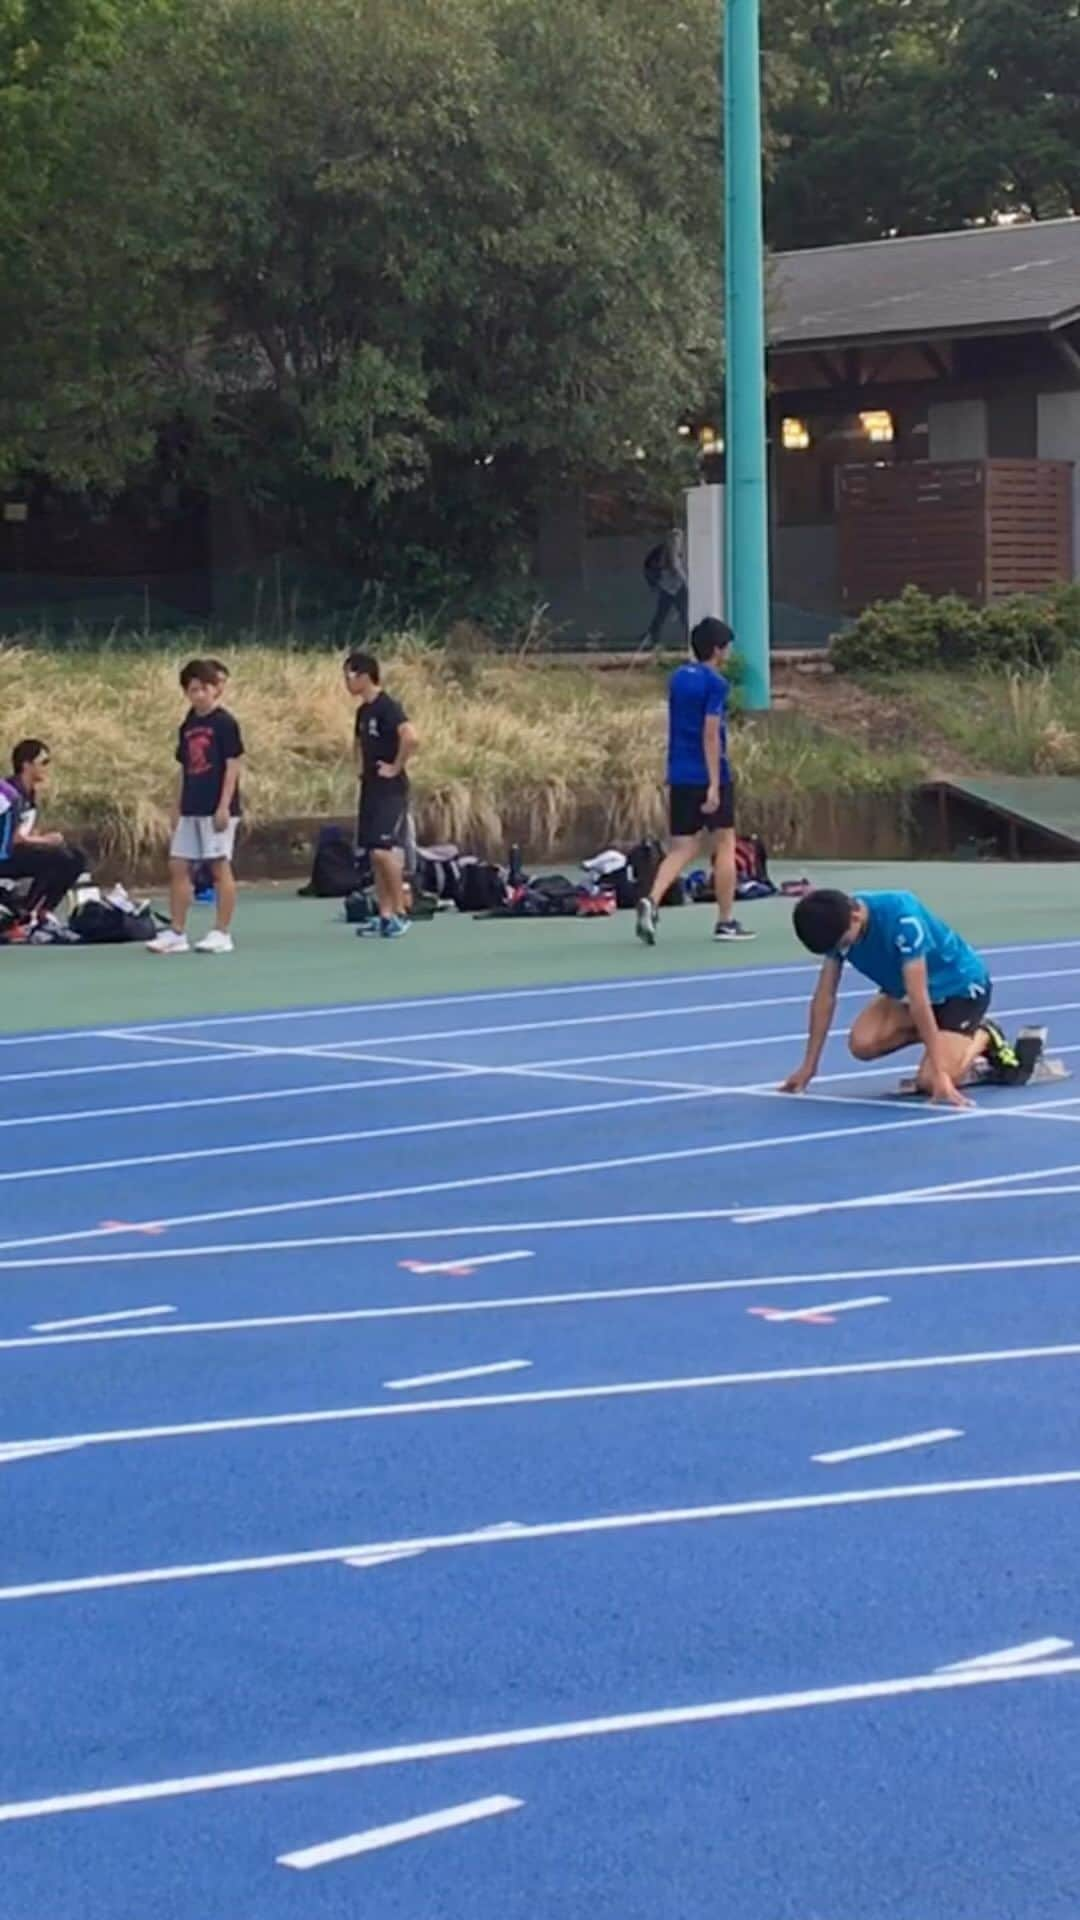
x=747 y=510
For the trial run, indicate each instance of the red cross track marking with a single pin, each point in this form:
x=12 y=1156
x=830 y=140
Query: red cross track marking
x=809 y=1318
x=130 y=1226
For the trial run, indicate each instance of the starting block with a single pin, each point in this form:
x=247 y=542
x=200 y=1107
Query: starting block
x=1045 y=1072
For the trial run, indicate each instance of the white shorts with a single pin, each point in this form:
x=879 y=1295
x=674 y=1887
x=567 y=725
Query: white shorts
x=199 y=839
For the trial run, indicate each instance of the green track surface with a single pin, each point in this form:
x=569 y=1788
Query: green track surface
x=294 y=953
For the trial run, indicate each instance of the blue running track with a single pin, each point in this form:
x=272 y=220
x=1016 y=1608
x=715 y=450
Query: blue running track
x=444 y=1467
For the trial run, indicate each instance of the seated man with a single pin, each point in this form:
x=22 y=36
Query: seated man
x=933 y=989
x=45 y=859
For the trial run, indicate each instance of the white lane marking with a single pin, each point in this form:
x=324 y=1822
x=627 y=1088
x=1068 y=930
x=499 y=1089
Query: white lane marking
x=984 y=1187
x=821 y=1313
x=319 y=1087
x=16 y=1450
x=120 y=1066
x=546 y=1530
x=510 y=1303
x=902 y=1445
x=1011 y=1656
x=368 y=1008
x=467 y=1261
x=667 y=1011
x=552 y=1396
x=517 y=1738
x=381 y=1556
x=459 y=1373
x=518 y=1176
x=99 y=1319
x=449 y=1071
x=402 y=1830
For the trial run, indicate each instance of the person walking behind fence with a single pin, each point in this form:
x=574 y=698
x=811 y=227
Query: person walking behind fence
x=665 y=575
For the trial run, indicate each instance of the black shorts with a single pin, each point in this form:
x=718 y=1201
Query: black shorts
x=685 y=817
x=965 y=1012
x=383 y=822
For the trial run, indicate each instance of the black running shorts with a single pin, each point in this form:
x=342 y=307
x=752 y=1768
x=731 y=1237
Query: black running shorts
x=965 y=1013
x=384 y=815
x=685 y=817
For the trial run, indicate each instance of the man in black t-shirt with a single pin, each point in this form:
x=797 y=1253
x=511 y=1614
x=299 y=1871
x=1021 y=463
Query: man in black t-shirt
x=209 y=751
x=385 y=742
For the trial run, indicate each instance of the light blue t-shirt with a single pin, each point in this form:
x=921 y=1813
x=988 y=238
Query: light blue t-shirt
x=694 y=693
x=900 y=929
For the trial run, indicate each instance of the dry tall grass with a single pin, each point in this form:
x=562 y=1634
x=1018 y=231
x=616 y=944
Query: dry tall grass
x=545 y=754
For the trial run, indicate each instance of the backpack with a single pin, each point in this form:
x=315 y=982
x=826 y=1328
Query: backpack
x=438 y=871
x=100 y=925
x=751 y=859
x=482 y=888
x=555 y=895
x=337 y=869
x=644 y=860
x=654 y=567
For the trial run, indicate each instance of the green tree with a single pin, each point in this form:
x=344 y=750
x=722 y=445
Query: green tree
x=343 y=243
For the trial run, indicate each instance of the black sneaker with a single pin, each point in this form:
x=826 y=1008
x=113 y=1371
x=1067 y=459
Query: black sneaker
x=732 y=930
x=647 y=922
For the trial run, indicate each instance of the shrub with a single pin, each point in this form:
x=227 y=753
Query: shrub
x=916 y=631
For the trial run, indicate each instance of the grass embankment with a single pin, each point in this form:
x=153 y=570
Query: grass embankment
x=512 y=749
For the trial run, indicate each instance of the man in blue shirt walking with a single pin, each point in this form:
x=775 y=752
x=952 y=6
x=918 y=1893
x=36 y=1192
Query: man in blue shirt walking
x=932 y=988
x=700 y=789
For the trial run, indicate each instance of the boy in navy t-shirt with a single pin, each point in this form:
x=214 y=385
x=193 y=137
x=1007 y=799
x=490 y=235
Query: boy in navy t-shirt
x=932 y=987
x=701 y=793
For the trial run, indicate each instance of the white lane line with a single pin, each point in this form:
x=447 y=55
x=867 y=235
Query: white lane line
x=308 y=1244
x=715 y=1006
x=511 y=1531
x=820 y=1313
x=467 y=1261
x=1011 y=1656
x=99 y=1319
x=567 y=1170
x=902 y=1445
x=121 y=1066
x=517 y=1738
x=510 y=1303
x=459 y=1373
x=554 y=1396
x=318 y=1088
x=402 y=1830
x=984 y=1187
x=450 y=1071
x=13 y=1451
x=372 y=1008
x=381 y=1556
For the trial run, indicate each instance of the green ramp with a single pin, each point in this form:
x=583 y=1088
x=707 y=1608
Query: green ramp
x=1025 y=818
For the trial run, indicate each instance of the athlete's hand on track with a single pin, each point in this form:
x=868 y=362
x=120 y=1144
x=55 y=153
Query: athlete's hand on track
x=943 y=1089
x=796 y=1082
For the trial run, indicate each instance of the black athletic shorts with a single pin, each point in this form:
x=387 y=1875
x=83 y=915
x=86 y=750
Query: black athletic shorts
x=384 y=815
x=965 y=1012
x=685 y=817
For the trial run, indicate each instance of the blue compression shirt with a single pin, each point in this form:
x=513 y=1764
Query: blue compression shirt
x=695 y=692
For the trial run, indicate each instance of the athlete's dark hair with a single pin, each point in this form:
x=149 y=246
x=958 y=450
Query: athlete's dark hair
x=822 y=919
x=25 y=753
x=200 y=670
x=709 y=638
x=363 y=663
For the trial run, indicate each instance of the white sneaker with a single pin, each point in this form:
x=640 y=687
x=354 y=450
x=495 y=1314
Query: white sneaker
x=215 y=942
x=168 y=941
